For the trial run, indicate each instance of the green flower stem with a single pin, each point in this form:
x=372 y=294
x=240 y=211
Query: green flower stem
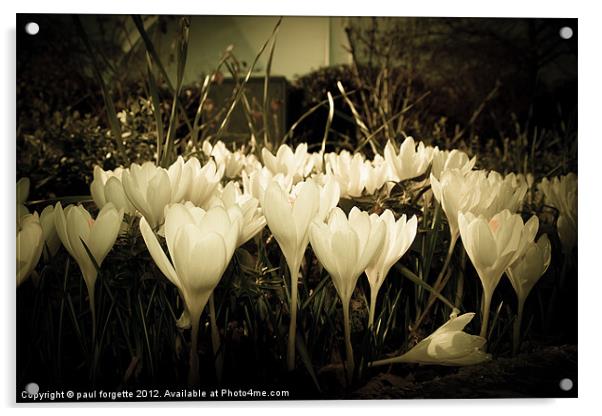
x=486 y=308
x=439 y=283
x=292 y=327
x=348 y=347
x=373 y=296
x=517 y=324
x=558 y=288
x=215 y=340
x=450 y=252
x=193 y=369
x=460 y=282
x=387 y=361
x=91 y=292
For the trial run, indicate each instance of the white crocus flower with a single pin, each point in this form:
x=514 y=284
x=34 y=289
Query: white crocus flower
x=200 y=245
x=410 y=162
x=561 y=193
x=456 y=192
x=253 y=220
x=149 y=189
x=289 y=216
x=524 y=274
x=76 y=227
x=478 y=192
x=180 y=176
x=492 y=245
x=251 y=164
x=30 y=242
x=503 y=193
x=107 y=187
x=204 y=181
x=345 y=247
x=377 y=175
x=399 y=238
x=446 y=160
x=233 y=162
x=330 y=194
x=289 y=222
x=53 y=242
x=256 y=183
x=354 y=174
x=449 y=345
x=295 y=165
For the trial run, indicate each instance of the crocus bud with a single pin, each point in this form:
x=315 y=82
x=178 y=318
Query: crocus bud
x=30 y=242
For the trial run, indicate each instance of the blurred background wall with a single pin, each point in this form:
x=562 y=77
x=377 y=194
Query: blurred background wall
x=304 y=43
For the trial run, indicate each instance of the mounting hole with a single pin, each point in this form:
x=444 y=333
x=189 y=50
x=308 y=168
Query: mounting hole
x=566 y=32
x=566 y=384
x=32 y=388
x=32 y=28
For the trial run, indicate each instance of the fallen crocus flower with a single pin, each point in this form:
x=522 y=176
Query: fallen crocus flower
x=449 y=345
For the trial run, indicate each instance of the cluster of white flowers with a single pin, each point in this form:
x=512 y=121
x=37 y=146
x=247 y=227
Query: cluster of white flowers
x=205 y=210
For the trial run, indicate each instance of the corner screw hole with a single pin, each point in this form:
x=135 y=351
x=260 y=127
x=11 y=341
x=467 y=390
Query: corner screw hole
x=32 y=28
x=566 y=32
x=566 y=384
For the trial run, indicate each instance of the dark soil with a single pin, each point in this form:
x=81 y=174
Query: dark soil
x=528 y=375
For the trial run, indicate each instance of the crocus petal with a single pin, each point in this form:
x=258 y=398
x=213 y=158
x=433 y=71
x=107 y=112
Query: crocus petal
x=29 y=249
x=305 y=208
x=60 y=223
x=158 y=195
x=104 y=231
x=113 y=190
x=177 y=216
x=157 y=252
x=320 y=242
x=78 y=230
x=278 y=214
x=51 y=237
x=207 y=262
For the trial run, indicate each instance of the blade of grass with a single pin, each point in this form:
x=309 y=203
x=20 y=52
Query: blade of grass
x=305 y=115
x=63 y=199
x=108 y=100
x=150 y=48
x=417 y=280
x=358 y=119
x=168 y=158
x=199 y=112
x=266 y=85
x=154 y=93
x=248 y=111
x=150 y=354
x=382 y=127
x=61 y=314
x=204 y=94
x=244 y=83
x=306 y=359
x=328 y=124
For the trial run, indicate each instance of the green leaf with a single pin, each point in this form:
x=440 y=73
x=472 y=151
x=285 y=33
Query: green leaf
x=417 y=280
x=92 y=259
x=240 y=90
x=154 y=92
x=266 y=83
x=168 y=155
x=108 y=100
x=306 y=359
